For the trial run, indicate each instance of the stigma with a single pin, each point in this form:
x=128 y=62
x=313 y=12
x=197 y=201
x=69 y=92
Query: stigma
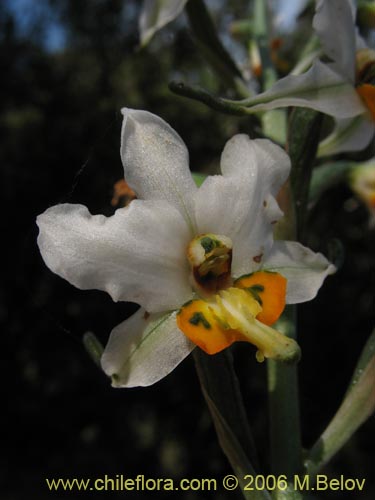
x=210 y=259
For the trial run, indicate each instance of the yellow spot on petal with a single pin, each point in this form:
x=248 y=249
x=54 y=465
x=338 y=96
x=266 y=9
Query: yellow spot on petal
x=270 y=291
x=367 y=94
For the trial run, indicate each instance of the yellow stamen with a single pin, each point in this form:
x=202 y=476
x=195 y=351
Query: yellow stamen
x=229 y=317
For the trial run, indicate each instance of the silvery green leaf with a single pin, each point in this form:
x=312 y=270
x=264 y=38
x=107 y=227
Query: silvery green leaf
x=156 y=14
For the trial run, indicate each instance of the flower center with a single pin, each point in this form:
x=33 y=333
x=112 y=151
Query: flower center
x=365 y=78
x=230 y=312
x=210 y=258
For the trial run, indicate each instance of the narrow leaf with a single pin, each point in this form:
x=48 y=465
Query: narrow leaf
x=209 y=42
x=231 y=447
x=357 y=406
x=219 y=382
x=93 y=346
x=320 y=88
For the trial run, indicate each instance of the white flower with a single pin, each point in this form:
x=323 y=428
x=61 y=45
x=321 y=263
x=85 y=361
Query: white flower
x=176 y=243
x=334 y=22
x=343 y=88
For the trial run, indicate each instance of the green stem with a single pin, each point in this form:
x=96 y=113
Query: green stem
x=274 y=120
x=303 y=140
x=285 y=437
x=216 y=103
x=261 y=32
x=285 y=433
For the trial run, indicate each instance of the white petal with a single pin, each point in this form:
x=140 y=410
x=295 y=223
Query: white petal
x=352 y=134
x=143 y=350
x=334 y=24
x=304 y=269
x=156 y=14
x=156 y=161
x=136 y=255
x=241 y=204
x=320 y=88
x=360 y=41
x=243 y=156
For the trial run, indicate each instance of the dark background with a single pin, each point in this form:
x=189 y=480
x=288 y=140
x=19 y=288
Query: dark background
x=67 y=68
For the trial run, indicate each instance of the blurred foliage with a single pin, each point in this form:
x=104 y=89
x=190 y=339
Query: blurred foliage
x=60 y=129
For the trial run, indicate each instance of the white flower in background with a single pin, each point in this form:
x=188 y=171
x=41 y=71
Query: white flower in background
x=334 y=22
x=343 y=88
x=156 y=14
x=202 y=263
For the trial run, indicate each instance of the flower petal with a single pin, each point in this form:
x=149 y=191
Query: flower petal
x=143 y=349
x=352 y=134
x=241 y=204
x=334 y=24
x=320 y=88
x=156 y=14
x=156 y=161
x=198 y=322
x=243 y=156
x=269 y=289
x=304 y=269
x=136 y=255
